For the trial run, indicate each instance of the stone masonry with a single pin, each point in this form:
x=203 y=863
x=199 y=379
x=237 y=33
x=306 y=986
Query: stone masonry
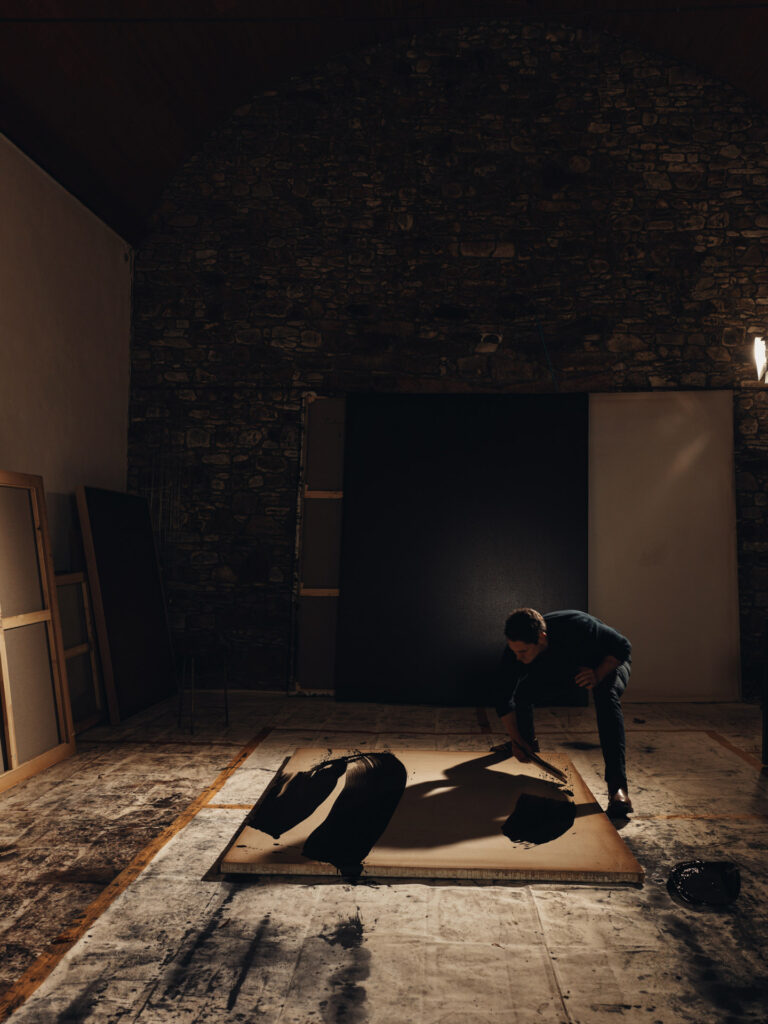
x=450 y=214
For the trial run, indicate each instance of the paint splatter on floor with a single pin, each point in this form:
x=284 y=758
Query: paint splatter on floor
x=347 y=1002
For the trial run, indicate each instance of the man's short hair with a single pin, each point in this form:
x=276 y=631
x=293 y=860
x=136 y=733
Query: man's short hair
x=524 y=625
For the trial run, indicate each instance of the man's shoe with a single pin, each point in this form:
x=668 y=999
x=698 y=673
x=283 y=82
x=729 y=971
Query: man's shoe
x=619 y=804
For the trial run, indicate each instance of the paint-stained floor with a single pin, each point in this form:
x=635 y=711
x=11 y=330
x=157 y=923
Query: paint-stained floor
x=113 y=853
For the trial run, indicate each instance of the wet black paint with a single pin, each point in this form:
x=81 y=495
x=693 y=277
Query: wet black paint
x=538 y=819
x=296 y=796
x=347 y=934
x=714 y=883
x=373 y=787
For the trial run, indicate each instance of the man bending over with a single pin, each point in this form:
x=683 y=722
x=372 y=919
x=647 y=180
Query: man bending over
x=567 y=647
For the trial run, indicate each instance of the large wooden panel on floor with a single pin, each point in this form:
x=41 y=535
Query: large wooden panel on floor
x=457 y=508
x=128 y=602
x=662 y=539
x=461 y=815
x=36 y=722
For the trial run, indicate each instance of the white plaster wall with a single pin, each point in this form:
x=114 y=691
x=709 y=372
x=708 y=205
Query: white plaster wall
x=65 y=297
x=662 y=539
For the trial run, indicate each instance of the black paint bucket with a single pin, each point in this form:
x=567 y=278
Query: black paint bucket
x=710 y=883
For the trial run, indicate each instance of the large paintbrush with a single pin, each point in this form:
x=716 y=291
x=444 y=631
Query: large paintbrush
x=506 y=748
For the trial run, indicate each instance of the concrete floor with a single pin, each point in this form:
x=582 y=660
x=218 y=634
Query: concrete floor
x=113 y=910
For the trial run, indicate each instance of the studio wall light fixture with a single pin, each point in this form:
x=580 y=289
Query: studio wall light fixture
x=761 y=363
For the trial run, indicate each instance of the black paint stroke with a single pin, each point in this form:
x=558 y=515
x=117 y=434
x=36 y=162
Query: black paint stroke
x=372 y=790
x=294 y=797
x=538 y=820
x=247 y=961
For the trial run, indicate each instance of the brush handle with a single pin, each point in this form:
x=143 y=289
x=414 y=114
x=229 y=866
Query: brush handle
x=506 y=748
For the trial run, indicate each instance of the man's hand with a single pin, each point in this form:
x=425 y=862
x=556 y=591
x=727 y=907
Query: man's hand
x=517 y=745
x=520 y=750
x=586 y=678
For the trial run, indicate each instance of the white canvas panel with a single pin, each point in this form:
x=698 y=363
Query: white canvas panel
x=662 y=540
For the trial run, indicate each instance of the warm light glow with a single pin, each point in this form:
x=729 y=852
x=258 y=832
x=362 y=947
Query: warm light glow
x=760 y=358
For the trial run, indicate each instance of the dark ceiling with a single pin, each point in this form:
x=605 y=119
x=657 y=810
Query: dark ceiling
x=111 y=97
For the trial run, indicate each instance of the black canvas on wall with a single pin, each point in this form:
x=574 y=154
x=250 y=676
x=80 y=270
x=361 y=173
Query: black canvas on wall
x=457 y=508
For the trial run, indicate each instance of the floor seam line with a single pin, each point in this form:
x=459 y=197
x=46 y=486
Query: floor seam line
x=743 y=754
x=289 y=986
x=18 y=993
x=567 y=1019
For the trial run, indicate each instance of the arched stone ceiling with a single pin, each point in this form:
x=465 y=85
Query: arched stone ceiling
x=112 y=98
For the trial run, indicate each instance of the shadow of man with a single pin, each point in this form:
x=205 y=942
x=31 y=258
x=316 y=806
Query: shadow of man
x=472 y=800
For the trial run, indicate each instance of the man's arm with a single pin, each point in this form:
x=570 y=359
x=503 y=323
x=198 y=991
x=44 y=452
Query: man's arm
x=520 y=749
x=508 y=681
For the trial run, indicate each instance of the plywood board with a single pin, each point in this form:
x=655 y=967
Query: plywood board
x=72 y=610
x=20 y=584
x=321 y=539
x=32 y=690
x=324 y=444
x=448 y=824
x=317 y=641
x=662 y=539
x=35 y=717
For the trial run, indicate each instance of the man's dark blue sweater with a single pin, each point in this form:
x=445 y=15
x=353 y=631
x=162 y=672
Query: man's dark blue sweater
x=574 y=640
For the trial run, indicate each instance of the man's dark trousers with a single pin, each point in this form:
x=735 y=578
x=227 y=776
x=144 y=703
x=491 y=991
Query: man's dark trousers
x=610 y=724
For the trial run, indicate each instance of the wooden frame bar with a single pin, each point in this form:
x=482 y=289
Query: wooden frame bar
x=87 y=646
x=48 y=615
x=28 y=619
x=6 y=706
x=98 y=610
x=321 y=481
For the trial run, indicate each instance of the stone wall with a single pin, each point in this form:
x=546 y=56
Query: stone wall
x=506 y=207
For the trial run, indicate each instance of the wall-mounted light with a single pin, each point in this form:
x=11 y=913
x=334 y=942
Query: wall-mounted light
x=761 y=363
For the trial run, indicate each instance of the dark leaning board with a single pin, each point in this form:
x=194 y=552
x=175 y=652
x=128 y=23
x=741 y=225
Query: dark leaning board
x=448 y=824
x=457 y=509
x=129 y=605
